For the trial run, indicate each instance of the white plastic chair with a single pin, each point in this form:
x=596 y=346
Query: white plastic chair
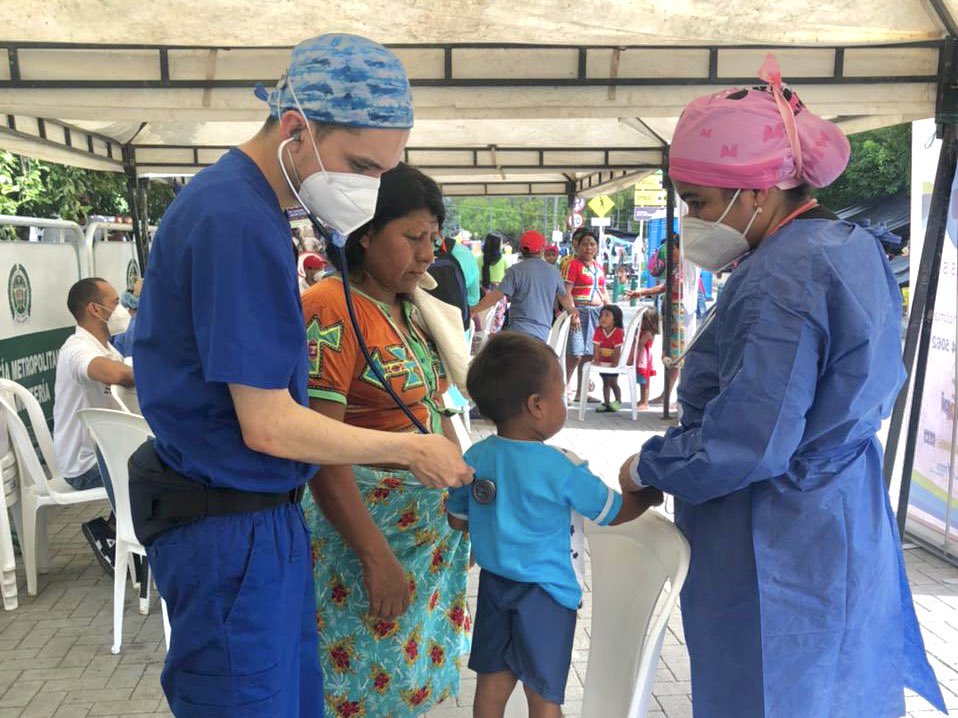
x=638 y=569
x=10 y=503
x=118 y=435
x=127 y=399
x=624 y=367
x=37 y=491
x=486 y=320
x=559 y=341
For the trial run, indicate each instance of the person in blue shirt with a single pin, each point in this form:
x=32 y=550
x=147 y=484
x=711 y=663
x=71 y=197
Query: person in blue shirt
x=533 y=288
x=221 y=357
x=797 y=604
x=525 y=520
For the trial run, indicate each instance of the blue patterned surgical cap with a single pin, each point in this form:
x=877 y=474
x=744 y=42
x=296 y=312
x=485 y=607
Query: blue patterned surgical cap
x=344 y=80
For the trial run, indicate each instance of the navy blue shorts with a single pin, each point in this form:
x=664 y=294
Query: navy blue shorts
x=521 y=628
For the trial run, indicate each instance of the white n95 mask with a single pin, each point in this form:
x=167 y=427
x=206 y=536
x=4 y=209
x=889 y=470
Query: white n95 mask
x=343 y=201
x=712 y=245
x=118 y=321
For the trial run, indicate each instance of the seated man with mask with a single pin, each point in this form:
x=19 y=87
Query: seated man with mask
x=87 y=366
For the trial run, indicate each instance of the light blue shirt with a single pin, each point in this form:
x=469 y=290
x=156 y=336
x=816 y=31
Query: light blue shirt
x=532 y=531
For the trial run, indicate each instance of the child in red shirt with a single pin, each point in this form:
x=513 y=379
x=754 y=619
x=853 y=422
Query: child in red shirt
x=607 y=348
x=644 y=369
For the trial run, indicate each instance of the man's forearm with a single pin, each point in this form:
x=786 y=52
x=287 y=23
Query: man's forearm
x=297 y=433
x=491 y=298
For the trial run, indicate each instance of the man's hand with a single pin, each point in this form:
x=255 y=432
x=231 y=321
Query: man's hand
x=437 y=462
x=386 y=586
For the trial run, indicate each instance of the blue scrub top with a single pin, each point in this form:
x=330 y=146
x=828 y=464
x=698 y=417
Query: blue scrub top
x=221 y=307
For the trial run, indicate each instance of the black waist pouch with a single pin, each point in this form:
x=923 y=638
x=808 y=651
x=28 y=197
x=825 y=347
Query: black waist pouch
x=162 y=499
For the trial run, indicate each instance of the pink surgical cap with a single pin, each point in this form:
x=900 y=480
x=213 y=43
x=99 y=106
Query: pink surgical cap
x=756 y=139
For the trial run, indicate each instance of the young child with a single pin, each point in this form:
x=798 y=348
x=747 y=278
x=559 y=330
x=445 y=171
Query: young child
x=607 y=348
x=644 y=369
x=518 y=512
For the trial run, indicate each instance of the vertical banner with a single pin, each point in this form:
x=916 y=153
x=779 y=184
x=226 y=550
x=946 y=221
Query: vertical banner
x=933 y=501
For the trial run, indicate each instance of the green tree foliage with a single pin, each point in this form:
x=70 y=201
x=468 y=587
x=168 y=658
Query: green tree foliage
x=880 y=165
x=33 y=188
x=510 y=215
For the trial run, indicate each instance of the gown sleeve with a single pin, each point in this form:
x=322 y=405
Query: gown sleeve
x=751 y=429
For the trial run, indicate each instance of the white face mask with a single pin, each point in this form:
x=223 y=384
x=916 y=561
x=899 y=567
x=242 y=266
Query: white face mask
x=118 y=321
x=344 y=201
x=713 y=245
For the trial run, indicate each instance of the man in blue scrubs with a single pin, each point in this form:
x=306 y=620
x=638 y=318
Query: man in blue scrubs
x=220 y=353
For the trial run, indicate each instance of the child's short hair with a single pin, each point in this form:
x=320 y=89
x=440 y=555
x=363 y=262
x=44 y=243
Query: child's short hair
x=616 y=312
x=650 y=321
x=509 y=369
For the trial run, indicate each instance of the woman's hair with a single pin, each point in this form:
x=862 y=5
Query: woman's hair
x=491 y=253
x=402 y=190
x=650 y=321
x=616 y=312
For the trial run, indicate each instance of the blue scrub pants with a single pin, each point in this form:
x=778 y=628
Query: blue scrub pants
x=239 y=591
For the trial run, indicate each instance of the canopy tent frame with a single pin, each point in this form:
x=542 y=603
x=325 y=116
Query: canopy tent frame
x=639 y=86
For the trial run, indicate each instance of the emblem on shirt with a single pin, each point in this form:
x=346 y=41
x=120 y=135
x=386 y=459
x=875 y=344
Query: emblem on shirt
x=318 y=340
x=132 y=274
x=394 y=363
x=18 y=292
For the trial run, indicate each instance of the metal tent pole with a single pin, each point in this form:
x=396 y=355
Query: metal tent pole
x=137 y=199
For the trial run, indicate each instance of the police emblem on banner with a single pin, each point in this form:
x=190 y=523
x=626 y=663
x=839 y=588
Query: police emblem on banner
x=132 y=274
x=18 y=292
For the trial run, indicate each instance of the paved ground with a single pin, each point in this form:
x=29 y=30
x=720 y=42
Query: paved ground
x=55 y=655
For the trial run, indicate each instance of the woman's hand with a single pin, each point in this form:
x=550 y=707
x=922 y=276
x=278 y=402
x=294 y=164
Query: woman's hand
x=625 y=477
x=576 y=320
x=386 y=586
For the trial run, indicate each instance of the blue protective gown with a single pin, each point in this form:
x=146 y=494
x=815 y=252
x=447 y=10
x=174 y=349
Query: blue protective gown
x=796 y=604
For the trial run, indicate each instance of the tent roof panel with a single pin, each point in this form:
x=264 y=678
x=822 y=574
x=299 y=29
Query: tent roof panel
x=611 y=22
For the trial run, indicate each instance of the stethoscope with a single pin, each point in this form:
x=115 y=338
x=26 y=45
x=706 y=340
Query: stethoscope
x=707 y=320
x=483 y=490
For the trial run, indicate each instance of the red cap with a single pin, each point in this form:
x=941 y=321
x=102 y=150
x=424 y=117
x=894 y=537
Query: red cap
x=552 y=248
x=313 y=261
x=532 y=241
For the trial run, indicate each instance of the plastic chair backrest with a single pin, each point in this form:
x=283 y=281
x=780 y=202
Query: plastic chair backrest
x=631 y=332
x=38 y=422
x=118 y=435
x=488 y=317
x=559 y=334
x=31 y=472
x=126 y=397
x=638 y=569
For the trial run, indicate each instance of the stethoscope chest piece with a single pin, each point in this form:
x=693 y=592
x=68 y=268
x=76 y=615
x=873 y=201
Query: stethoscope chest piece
x=483 y=491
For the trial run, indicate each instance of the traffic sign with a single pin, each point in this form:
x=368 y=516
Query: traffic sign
x=601 y=205
x=578 y=205
x=600 y=221
x=649 y=192
x=574 y=221
x=644 y=214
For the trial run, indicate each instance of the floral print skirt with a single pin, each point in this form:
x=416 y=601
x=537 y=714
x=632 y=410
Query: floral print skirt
x=401 y=668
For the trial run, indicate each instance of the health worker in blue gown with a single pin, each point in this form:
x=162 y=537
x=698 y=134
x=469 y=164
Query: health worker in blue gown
x=221 y=361
x=796 y=604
